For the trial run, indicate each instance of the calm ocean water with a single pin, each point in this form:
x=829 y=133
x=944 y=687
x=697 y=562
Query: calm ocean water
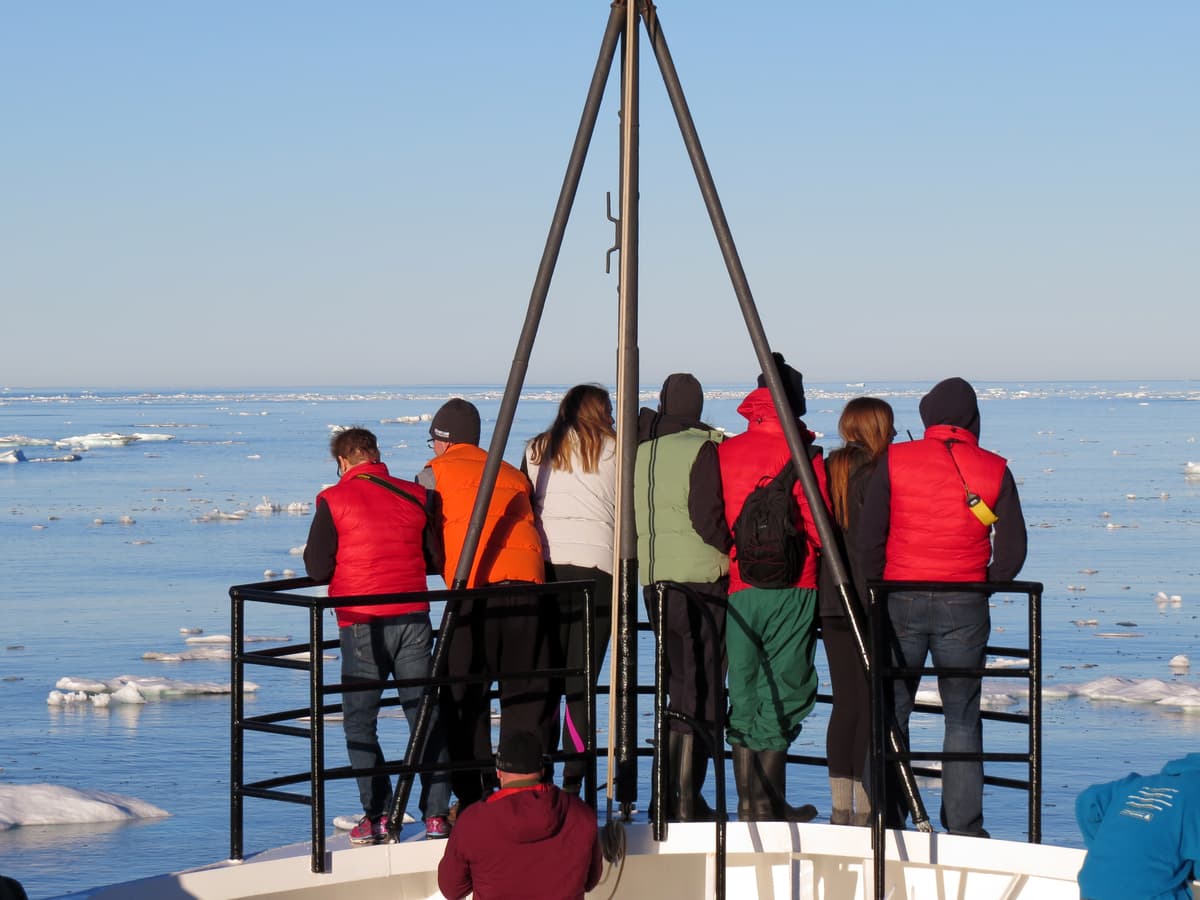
x=1101 y=469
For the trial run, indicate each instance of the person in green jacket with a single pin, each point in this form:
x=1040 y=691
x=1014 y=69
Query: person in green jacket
x=682 y=541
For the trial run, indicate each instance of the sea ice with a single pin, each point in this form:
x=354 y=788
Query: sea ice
x=50 y=804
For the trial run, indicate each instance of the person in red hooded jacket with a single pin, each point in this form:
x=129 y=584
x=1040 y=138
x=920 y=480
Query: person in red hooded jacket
x=770 y=635
x=527 y=841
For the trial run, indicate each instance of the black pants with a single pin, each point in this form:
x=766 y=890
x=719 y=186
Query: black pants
x=567 y=651
x=693 y=646
x=848 y=738
x=493 y=635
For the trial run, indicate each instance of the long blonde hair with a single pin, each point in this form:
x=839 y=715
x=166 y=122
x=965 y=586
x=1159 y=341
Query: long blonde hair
x=867 y=428
x=584 y=420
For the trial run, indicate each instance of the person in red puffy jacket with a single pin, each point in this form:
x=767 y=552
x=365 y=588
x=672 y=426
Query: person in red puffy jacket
x=372 y=534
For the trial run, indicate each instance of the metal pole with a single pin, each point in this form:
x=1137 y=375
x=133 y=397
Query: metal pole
x=237 y=706
x=316 y=701
x=762 y=350
x=658 y=771
x=1035 y=716
x=625 y=608
x=512 y=392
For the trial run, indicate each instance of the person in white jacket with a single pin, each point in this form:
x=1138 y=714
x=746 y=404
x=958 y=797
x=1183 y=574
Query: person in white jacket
x=573 y=467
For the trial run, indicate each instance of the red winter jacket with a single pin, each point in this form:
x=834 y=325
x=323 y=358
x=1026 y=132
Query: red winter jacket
x=379 y=546
x=523 y=843
x=762 y=451
x=933 y=535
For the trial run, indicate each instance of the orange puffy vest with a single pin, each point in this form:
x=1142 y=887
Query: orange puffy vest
x=510 y=548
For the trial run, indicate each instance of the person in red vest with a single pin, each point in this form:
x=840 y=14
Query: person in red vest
x=944 y=509
x=372 y=534
x=529 y=839
x=497 y=634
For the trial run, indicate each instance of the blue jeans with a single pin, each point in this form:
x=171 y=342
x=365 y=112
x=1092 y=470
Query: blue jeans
x=954 y=629
x=397 y=647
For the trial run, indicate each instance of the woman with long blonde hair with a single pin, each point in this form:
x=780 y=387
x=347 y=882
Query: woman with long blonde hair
x=573 y=467
x=867 y=428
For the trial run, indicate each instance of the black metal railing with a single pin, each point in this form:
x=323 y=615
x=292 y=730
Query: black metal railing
x=884 y=671
x=308 y=657
x=712 y=733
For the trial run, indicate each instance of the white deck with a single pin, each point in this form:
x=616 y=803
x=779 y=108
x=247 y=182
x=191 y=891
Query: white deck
x=765 y=860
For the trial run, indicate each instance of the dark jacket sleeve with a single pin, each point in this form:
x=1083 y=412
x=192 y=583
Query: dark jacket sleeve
x=454 y=872
x=706 y=502
x=432 y=540
x=1009 y=537
x=320 y=553
x=871 y=532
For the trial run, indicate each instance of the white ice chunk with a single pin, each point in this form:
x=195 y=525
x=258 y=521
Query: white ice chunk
x=1179 y=661
x=88 y=685
x=50 y=804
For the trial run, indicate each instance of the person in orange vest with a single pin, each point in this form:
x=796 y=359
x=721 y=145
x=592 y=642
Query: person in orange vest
x=492 y=634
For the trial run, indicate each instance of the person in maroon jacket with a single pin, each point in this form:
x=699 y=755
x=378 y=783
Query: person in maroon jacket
x=370 y=534
x=527 y=841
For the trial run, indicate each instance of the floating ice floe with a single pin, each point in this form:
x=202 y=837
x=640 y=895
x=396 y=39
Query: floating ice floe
x=1083 y=623
x=187 y=630
x=1088 y=571
x=51 y=804
x=215 y=515
x=297 y=551
x=1179 y=661
x=1191 y=468
x=226 y=639
x=132 y=689
x=407 y=420
x=267 y=507
x=185 y=655
x=1175 y=694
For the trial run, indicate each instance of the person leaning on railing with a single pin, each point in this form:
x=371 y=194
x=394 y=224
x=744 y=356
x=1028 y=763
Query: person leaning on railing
x=372 y=534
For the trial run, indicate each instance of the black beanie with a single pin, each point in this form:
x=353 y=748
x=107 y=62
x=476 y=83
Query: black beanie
x=520 y=753
x=681 y=396
x=457 y=422
x=793 y=384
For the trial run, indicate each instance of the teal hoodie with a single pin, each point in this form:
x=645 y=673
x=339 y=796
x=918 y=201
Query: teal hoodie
x=1142 y=834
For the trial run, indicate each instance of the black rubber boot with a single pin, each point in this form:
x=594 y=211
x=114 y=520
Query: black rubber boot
x=701 y=811
x=675 y=763
x=745 y=777
x=772 y=764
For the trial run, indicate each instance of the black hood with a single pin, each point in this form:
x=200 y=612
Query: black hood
x=951 y=402
x=680 y=403
x=681 y=396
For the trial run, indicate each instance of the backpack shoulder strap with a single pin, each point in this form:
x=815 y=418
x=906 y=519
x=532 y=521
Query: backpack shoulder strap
x=399 y=492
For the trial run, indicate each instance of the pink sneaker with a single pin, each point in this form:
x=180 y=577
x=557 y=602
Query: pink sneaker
x=436 y=828
x=370 y=831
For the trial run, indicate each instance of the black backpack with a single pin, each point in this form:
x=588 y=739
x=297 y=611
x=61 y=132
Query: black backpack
x=769 y=545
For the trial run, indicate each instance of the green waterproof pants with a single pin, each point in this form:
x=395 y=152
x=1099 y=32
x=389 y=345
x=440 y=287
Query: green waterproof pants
x=770 y=639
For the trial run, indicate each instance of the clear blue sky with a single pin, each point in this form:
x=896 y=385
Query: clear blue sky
x=273 y=193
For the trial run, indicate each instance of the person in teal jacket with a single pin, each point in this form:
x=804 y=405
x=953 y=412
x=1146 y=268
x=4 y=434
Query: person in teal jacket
x=1142 y=834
